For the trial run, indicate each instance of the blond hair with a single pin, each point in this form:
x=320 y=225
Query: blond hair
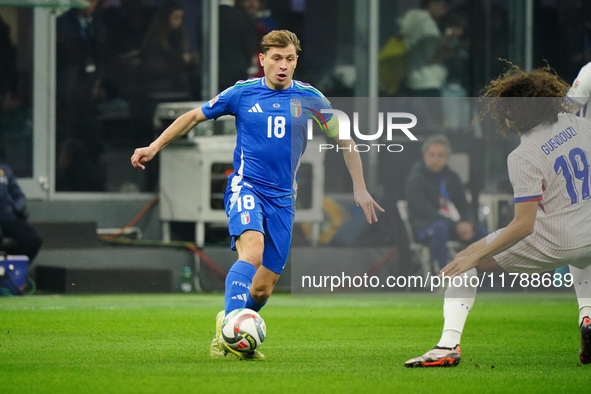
x=280 y=39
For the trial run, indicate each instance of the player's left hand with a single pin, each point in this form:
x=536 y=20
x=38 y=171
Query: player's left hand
x=366 y=202
x=462 y=263
x=142 y=155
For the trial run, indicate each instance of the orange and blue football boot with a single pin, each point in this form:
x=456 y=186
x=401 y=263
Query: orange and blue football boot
x=437 y=357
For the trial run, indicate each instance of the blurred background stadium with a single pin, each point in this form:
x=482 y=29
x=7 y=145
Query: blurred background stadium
x=73 y=109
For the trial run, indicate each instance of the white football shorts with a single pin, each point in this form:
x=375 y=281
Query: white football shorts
x=531 y=255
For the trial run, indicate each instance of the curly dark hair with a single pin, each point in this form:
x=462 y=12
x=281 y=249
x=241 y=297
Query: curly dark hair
x=526 y=99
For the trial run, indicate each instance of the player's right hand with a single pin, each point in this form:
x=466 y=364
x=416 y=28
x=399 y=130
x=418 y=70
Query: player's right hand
x=461 y=264
x=366 y=202
x=142 y=155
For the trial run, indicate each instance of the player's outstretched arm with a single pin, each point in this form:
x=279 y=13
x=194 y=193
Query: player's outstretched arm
x=178 y=128
x=580 y=91
x=520 y=227
x=362 y=197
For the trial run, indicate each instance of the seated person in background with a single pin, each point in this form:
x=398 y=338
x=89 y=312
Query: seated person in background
x=437 y=206
x=13 y=217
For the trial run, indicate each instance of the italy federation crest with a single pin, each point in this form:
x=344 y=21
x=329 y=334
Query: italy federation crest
x=245 y=217
x=296 y=108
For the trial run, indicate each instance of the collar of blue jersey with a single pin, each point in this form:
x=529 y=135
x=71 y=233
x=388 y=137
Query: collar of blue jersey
x=265 y=84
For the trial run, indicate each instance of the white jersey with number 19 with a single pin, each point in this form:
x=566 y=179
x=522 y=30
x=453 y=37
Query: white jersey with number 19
x=551 y=166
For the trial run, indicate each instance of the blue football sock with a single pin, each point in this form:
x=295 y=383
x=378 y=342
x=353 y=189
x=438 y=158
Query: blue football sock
x=238 y=283
x=252 y=304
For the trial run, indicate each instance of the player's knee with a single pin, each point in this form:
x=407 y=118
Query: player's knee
x=252 y=256
x=250 y=248
x=261 y=293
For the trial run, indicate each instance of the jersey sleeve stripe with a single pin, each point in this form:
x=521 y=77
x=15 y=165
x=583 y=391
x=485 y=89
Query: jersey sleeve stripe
x=247 y=82
x=305 y=86
x=527 y=199
x=579 y=101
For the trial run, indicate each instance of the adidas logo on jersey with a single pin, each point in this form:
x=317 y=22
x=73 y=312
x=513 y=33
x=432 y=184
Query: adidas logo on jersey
x=256 y=108
x=241 y=297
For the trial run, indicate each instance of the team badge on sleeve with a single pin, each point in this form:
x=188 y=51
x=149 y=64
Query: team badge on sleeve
x=245 y=217
x=213 y=100
x=296 y=108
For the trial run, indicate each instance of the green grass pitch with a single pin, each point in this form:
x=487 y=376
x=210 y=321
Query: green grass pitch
x=160 y=344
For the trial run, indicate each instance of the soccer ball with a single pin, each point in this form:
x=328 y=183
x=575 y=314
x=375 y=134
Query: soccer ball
x=243 y=329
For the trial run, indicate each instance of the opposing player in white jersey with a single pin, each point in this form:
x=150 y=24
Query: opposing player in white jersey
x=580 y=92
x=260 y=195
x=551 y=180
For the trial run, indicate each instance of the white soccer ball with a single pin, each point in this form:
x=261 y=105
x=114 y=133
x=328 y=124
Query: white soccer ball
x=244 y=329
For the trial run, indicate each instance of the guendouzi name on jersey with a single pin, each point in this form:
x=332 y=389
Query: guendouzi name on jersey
x=271 y=132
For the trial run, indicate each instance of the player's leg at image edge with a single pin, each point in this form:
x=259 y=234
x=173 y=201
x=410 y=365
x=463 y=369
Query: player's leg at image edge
x=459 y=301
x=582 y=285
x=238 y=283
x=219 y=348
x=216 y=350
x=585 y=349
x=456 y=306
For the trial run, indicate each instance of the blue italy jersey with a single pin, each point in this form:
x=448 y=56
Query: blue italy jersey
x=271 y=126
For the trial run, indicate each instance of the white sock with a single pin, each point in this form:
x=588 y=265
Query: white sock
x=582 y=285
x=456 y=306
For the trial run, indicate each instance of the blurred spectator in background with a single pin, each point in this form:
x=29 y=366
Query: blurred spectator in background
x=457 y=116
x=123 y=116
x=265 y=16
x=25 y=238
x=166 y=58
x=261 y=16
x=126 y=27
x=437 y=204
x=238 y=37
x=457 y=58
x=426 y=47
x=7 y=58
x=292 y=15
x=80 y=89
x=16 y=129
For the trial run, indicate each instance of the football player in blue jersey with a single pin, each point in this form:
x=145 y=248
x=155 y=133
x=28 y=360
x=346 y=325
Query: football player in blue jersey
x=260 y=196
